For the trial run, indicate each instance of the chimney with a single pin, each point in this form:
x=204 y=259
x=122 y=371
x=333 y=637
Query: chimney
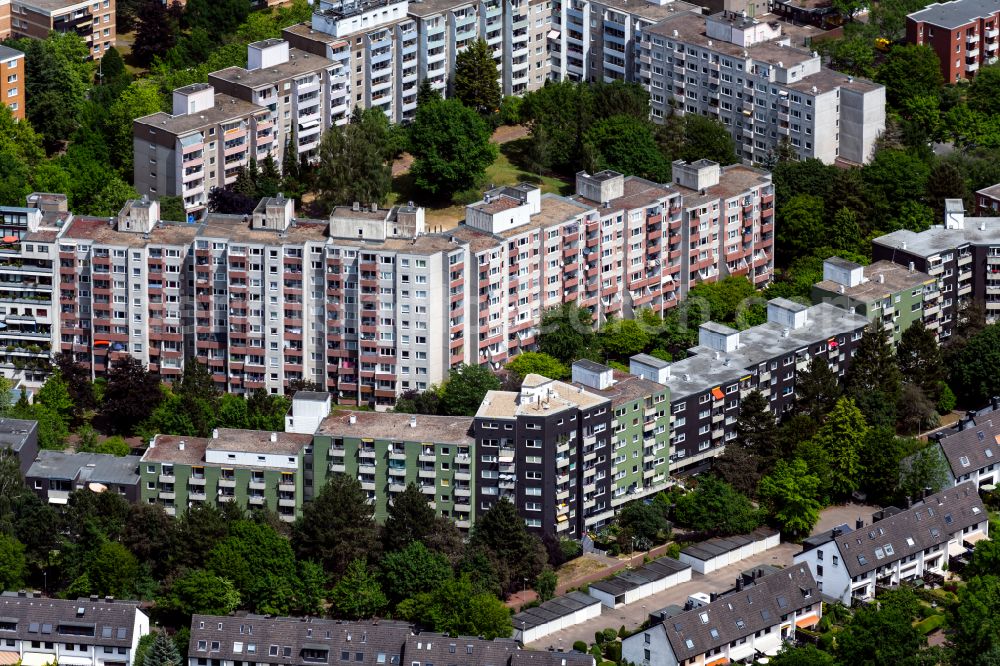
x=215 y=433
x=352 y=419
x=274 y=437
x=927 y=492
x=180 y=445
x=739 y=583
x=995 y=402
x=835 y=532
x=858 y=524
x=413 y=421
x=909 y=502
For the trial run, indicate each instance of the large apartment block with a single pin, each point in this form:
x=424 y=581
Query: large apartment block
x=706 y=387
x=12 y=81
x=963 y=255
x=895 y=296
x=745 y=73
x=253 y=468
x=37 y=630
x=963 y=33
x=388 y=47
x=93 y=20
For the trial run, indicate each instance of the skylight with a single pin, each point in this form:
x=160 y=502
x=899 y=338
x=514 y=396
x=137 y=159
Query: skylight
x=689 y=643
x=714 y=632
x=862 y=560
x=964 y=460
x=989 y=453
x=704 y=618
x=981 y=435
x=782 y=602
x=910 y=542
x=740 y=624
x=879 y=554
x=889 y=550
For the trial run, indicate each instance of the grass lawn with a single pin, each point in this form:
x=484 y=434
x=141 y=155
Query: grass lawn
x=503 y=171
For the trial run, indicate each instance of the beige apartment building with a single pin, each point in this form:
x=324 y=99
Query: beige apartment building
x=12 y=80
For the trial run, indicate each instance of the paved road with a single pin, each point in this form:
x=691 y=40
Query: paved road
x=635 y=614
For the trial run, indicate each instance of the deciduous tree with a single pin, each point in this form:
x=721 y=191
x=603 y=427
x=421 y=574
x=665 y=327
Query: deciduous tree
x=198 y=591
x=714 y=507
x=626 y=144
x=451 y=147
x=538 y=363
x=792 y=496
x=842 y=436
x=566 y=332
x=413 y=570
x=131 y=395
x=465 y=389
x=357 y=595
x=337 y=527
x=354 y=164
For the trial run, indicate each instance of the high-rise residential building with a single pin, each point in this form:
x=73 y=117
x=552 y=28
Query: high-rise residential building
x=963 y=33
x=5 y=11
x=546 y=448
x=963 y=255
x=252 y=468
x=894 y=295
x=598 y=40
x=387 y=47
x=745 y=73
x=201 y=145
x=12 y=80
x=707 y=386
x=93 y=20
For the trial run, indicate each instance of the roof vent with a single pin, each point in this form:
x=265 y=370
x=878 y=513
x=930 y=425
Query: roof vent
x=413 y=421
x=215 y=433
x=180 y=445
x=274 y=437
x=352 y=419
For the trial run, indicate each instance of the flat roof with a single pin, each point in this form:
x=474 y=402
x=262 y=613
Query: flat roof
x=226 y=108
x=93 y=467
x=956 y=13
x=508 y=404
x=167 y=448
x=7 y=53
x=882 y=279
x=54 y=6
x=626 y=388
x=312 y=396
x=707 y=550
x=937 y=239
x=658 y=569
x=396 y=426
x=298 y=63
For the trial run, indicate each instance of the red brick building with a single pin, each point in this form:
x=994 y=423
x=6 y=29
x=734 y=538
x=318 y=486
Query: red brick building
x=963 y=33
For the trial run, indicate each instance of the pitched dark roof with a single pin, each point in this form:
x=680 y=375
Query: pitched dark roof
x=651 y=571
x=741 y=612
x=974 y=448
x=553 y=609
x=92 y=621
x=927 y=524
x=706 y=550
x=283 y=640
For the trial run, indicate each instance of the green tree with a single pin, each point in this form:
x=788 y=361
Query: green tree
x=852 y=55
x=946 y=181
x=646 y=522
x=413 y=570
x=451 y=147
x=113 y=570
x=984 y=91
x=146 y=642
x=465 y=389
x=457 y=608
x=163 y=652
x=131 y=395
x=517 y=553
x=802 y=226
x=409 y=519
x=354 y=165
x=975 y=370
x=745 y=459
x=892 y=178
x=873 y=379
x=706 y=138
x=140 y=98
x=842 y=435
x=925 y=469
x=566 y=332
x=545 y=584
x=197 y=591
x=54 y=394
x=172 y=209
x=216 y=17
x=909 y=71
x=199 y=397
x=976 y=621
x=792 y=496
x=817 y=389
x=155 y=34
x=57 y=74
x=805 y=655
x=622 y=338
x=920 y=361
x=713 y=506
x=357 y=595
x=538 y=363
x=985 y=559
x=337 y=527
x=475 y=84
x=13 y=565
x=626 y=144
x=260 y=564
x=879 y=636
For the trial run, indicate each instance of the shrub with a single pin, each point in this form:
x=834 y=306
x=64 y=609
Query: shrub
x=674 y=551
x=596 y=653
x=613 y=651
x=580 y=646
x=466 y=197
x=929 y=624
x=610 y=635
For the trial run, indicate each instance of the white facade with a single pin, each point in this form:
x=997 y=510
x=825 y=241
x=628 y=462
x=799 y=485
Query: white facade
x=718 y=555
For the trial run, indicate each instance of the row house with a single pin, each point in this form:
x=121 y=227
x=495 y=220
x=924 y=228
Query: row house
x=963 y=255
x=92 y=20
x=896 y=546
x=750 y=621
x=55 y=475
x=36 y=630
x=972 y=447
x=963 y=33
x=707 y=386
x=255 y=469
x=745 y=73
x=598 y=40
x=200 y=146
x=893 y=295
x=546 y=448
x=256 y=640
